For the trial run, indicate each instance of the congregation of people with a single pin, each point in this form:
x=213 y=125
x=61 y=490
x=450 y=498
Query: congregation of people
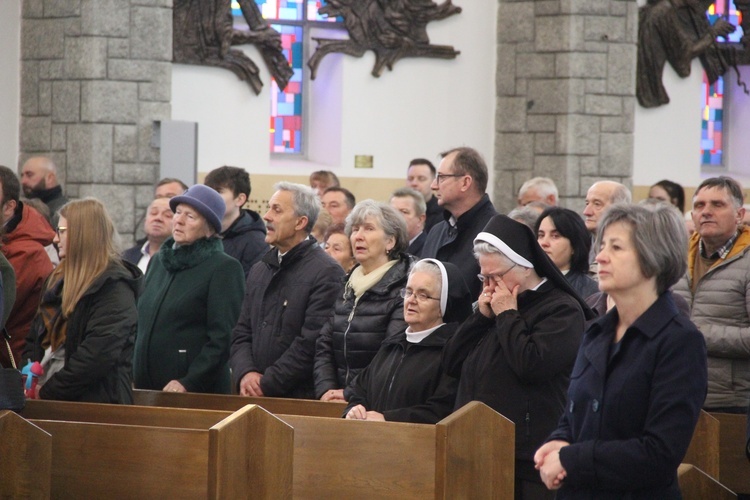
x=601 y=335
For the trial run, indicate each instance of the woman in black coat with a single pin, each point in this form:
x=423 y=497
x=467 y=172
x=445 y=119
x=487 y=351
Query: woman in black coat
x=516 y=351
x=85 y=327
x=370 y=309
x=563 y=236
x=405 y=382
x=640 y=378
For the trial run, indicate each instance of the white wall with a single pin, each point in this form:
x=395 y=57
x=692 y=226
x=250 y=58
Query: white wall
x=422 y=107
x=10 y=94
x=667 y=138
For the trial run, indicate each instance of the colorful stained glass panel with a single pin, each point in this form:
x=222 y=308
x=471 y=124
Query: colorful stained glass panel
x=313 y=6
x=286 y=105
x=728 y=10
x=712 y=124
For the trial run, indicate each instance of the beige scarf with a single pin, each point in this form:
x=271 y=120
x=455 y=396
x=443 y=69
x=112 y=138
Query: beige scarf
x=360 y=282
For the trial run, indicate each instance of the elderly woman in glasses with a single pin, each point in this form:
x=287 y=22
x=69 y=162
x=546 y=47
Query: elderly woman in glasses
x=516 y=351
x=405 y=382
x=370 y=309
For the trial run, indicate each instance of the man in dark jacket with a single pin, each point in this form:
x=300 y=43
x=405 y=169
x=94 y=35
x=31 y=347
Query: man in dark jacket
x=39 y=180
x=460 y=187
x=288 y=298
x=243 y=231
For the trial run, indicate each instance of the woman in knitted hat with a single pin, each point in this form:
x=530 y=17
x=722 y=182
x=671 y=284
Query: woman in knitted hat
x=516 y=351
x=191 y=302
x=405 y=382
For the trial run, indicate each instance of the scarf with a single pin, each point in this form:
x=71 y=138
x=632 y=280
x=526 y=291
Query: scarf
x=180 y=257
x=50 y=312
x=360 y=282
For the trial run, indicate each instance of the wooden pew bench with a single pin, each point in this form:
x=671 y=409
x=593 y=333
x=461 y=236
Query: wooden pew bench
x=25 y=458
x=119 y=451
x=470 y=454
x=703 y=451
x=697 y=485
x=734 y=468
x=280 y=406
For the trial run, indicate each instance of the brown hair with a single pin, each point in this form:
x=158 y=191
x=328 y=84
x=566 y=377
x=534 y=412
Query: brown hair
x=90 y=249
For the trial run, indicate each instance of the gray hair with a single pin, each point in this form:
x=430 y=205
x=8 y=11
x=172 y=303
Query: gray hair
x=731 y=186
x=543 y=185
x=426 y=266
x=620 y=194
x=389 y=218
x=525 y=215
x=420 y=207
x=304 y=201
x=484 y=248
x=660 y=239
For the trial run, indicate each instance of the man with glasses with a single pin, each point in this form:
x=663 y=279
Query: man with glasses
x=460 y=188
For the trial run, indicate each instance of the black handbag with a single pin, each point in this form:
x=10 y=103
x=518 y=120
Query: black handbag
x=11 y=384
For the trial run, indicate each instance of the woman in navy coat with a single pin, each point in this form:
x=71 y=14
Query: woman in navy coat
x=640 y=378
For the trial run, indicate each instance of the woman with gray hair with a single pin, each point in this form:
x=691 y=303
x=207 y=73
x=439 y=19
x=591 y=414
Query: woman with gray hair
x=370 y=308
x=516 y=351
x=640 y=378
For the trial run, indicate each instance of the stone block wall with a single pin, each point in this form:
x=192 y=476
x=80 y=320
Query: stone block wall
x=565 y=95
x=95 y=76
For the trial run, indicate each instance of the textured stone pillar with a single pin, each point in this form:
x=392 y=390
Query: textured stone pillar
x=95 y=76
x=565 y=95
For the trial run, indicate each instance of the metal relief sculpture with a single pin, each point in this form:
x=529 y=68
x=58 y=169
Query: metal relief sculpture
x=676 y=31
x=203 y=34
x=393 y=29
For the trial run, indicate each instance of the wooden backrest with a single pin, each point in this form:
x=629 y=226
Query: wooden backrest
x=734 y=468
x=25 y=458
x=470 y=454
x=141 y=452
x=697 y=485
x=280 y=406
x=703 y=451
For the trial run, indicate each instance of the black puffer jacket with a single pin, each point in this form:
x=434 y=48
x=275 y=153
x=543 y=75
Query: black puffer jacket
x=284 y=309
x=99 y=342
x=352 y=336
x=245 y=239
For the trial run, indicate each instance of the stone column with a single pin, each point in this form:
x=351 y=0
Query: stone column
x=95 y=76
x=565 y=95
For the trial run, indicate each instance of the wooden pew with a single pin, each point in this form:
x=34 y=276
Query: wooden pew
x=120 y=451
x=279 y=406
x=25 y=458
x=703 y=451
x=469 y=454
x=734 y=467
x=697 y=485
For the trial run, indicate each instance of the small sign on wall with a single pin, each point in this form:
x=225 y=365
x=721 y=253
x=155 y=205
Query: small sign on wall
x=363 y=161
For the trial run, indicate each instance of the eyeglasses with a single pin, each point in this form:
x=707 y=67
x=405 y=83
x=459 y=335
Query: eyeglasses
x=420 y=296
x=495 y=277
x=440 y=177
x=61 y=230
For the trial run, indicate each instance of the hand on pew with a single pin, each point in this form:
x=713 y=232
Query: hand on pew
x=174 y=386
x=333 y=395
x=359 y=412
x=250 y=384
x=547 y=462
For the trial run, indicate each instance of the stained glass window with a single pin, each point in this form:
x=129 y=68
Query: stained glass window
x=290 y=18
x=712 y=96
x=712 y=124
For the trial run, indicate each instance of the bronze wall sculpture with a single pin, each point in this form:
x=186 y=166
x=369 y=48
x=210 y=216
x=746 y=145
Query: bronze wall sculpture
x=676 y=31
x=393 y=29
x=203 y=34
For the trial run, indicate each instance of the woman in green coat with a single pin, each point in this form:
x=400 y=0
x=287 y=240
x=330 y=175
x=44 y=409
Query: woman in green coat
x=191 y=302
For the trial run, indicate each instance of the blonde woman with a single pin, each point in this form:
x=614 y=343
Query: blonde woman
x=86 y=322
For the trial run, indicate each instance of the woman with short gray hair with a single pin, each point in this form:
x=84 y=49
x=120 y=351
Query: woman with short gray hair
x=371 y=308
x=640 y=377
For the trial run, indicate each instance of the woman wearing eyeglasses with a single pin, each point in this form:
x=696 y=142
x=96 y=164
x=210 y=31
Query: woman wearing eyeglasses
x=516 y=351
x=404 y=382
x=85 y=326
x=370 y=309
